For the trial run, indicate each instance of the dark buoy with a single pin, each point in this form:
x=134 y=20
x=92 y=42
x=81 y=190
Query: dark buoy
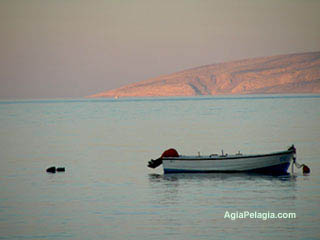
x=51 y=170
x=305 y=169
x=54 y=169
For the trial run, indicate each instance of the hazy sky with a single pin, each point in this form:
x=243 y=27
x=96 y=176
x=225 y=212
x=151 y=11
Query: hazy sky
x=74 y=48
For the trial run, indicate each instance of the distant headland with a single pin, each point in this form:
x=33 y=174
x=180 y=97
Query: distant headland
x=291 y=73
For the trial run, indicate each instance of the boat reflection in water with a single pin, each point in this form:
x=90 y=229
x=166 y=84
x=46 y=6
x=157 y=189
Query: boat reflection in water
x=222 y=191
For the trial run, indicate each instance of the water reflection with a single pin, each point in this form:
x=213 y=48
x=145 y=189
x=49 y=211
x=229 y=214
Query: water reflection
x=173 y=177
x=222 y=189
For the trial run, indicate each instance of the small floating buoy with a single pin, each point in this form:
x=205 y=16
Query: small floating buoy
x=305 y=169
x=51 y=170
x=54 y=169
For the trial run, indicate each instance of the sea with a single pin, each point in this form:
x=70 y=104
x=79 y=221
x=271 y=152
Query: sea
x=108 y=192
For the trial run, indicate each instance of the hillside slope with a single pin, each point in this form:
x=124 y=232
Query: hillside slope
x=292 y=73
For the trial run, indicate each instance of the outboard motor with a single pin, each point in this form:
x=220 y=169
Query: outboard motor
x=155 y=163
x=168 y=153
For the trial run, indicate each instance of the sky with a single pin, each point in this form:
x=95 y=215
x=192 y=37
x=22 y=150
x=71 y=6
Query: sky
x=75 y=48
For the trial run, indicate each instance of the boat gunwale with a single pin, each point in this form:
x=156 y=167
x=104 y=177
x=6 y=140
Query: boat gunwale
x=230 y=157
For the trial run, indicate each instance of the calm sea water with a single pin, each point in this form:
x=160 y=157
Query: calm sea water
x=107 y=192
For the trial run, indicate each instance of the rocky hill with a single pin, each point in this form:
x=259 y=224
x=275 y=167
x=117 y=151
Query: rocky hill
x=292 y=73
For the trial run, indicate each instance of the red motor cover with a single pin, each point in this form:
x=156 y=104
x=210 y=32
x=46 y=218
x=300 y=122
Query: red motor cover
x=170 y=153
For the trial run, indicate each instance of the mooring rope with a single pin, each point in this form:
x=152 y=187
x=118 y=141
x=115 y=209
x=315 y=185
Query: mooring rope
x=305 y=168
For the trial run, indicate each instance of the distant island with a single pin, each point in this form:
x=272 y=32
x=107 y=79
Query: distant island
x=291 y=73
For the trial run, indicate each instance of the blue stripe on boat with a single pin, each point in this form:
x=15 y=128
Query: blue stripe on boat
x=276 y=169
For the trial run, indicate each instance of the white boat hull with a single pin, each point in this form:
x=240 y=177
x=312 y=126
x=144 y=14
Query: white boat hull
x=268 y=163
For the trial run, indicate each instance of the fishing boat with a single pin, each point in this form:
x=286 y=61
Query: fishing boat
x=270 y=163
